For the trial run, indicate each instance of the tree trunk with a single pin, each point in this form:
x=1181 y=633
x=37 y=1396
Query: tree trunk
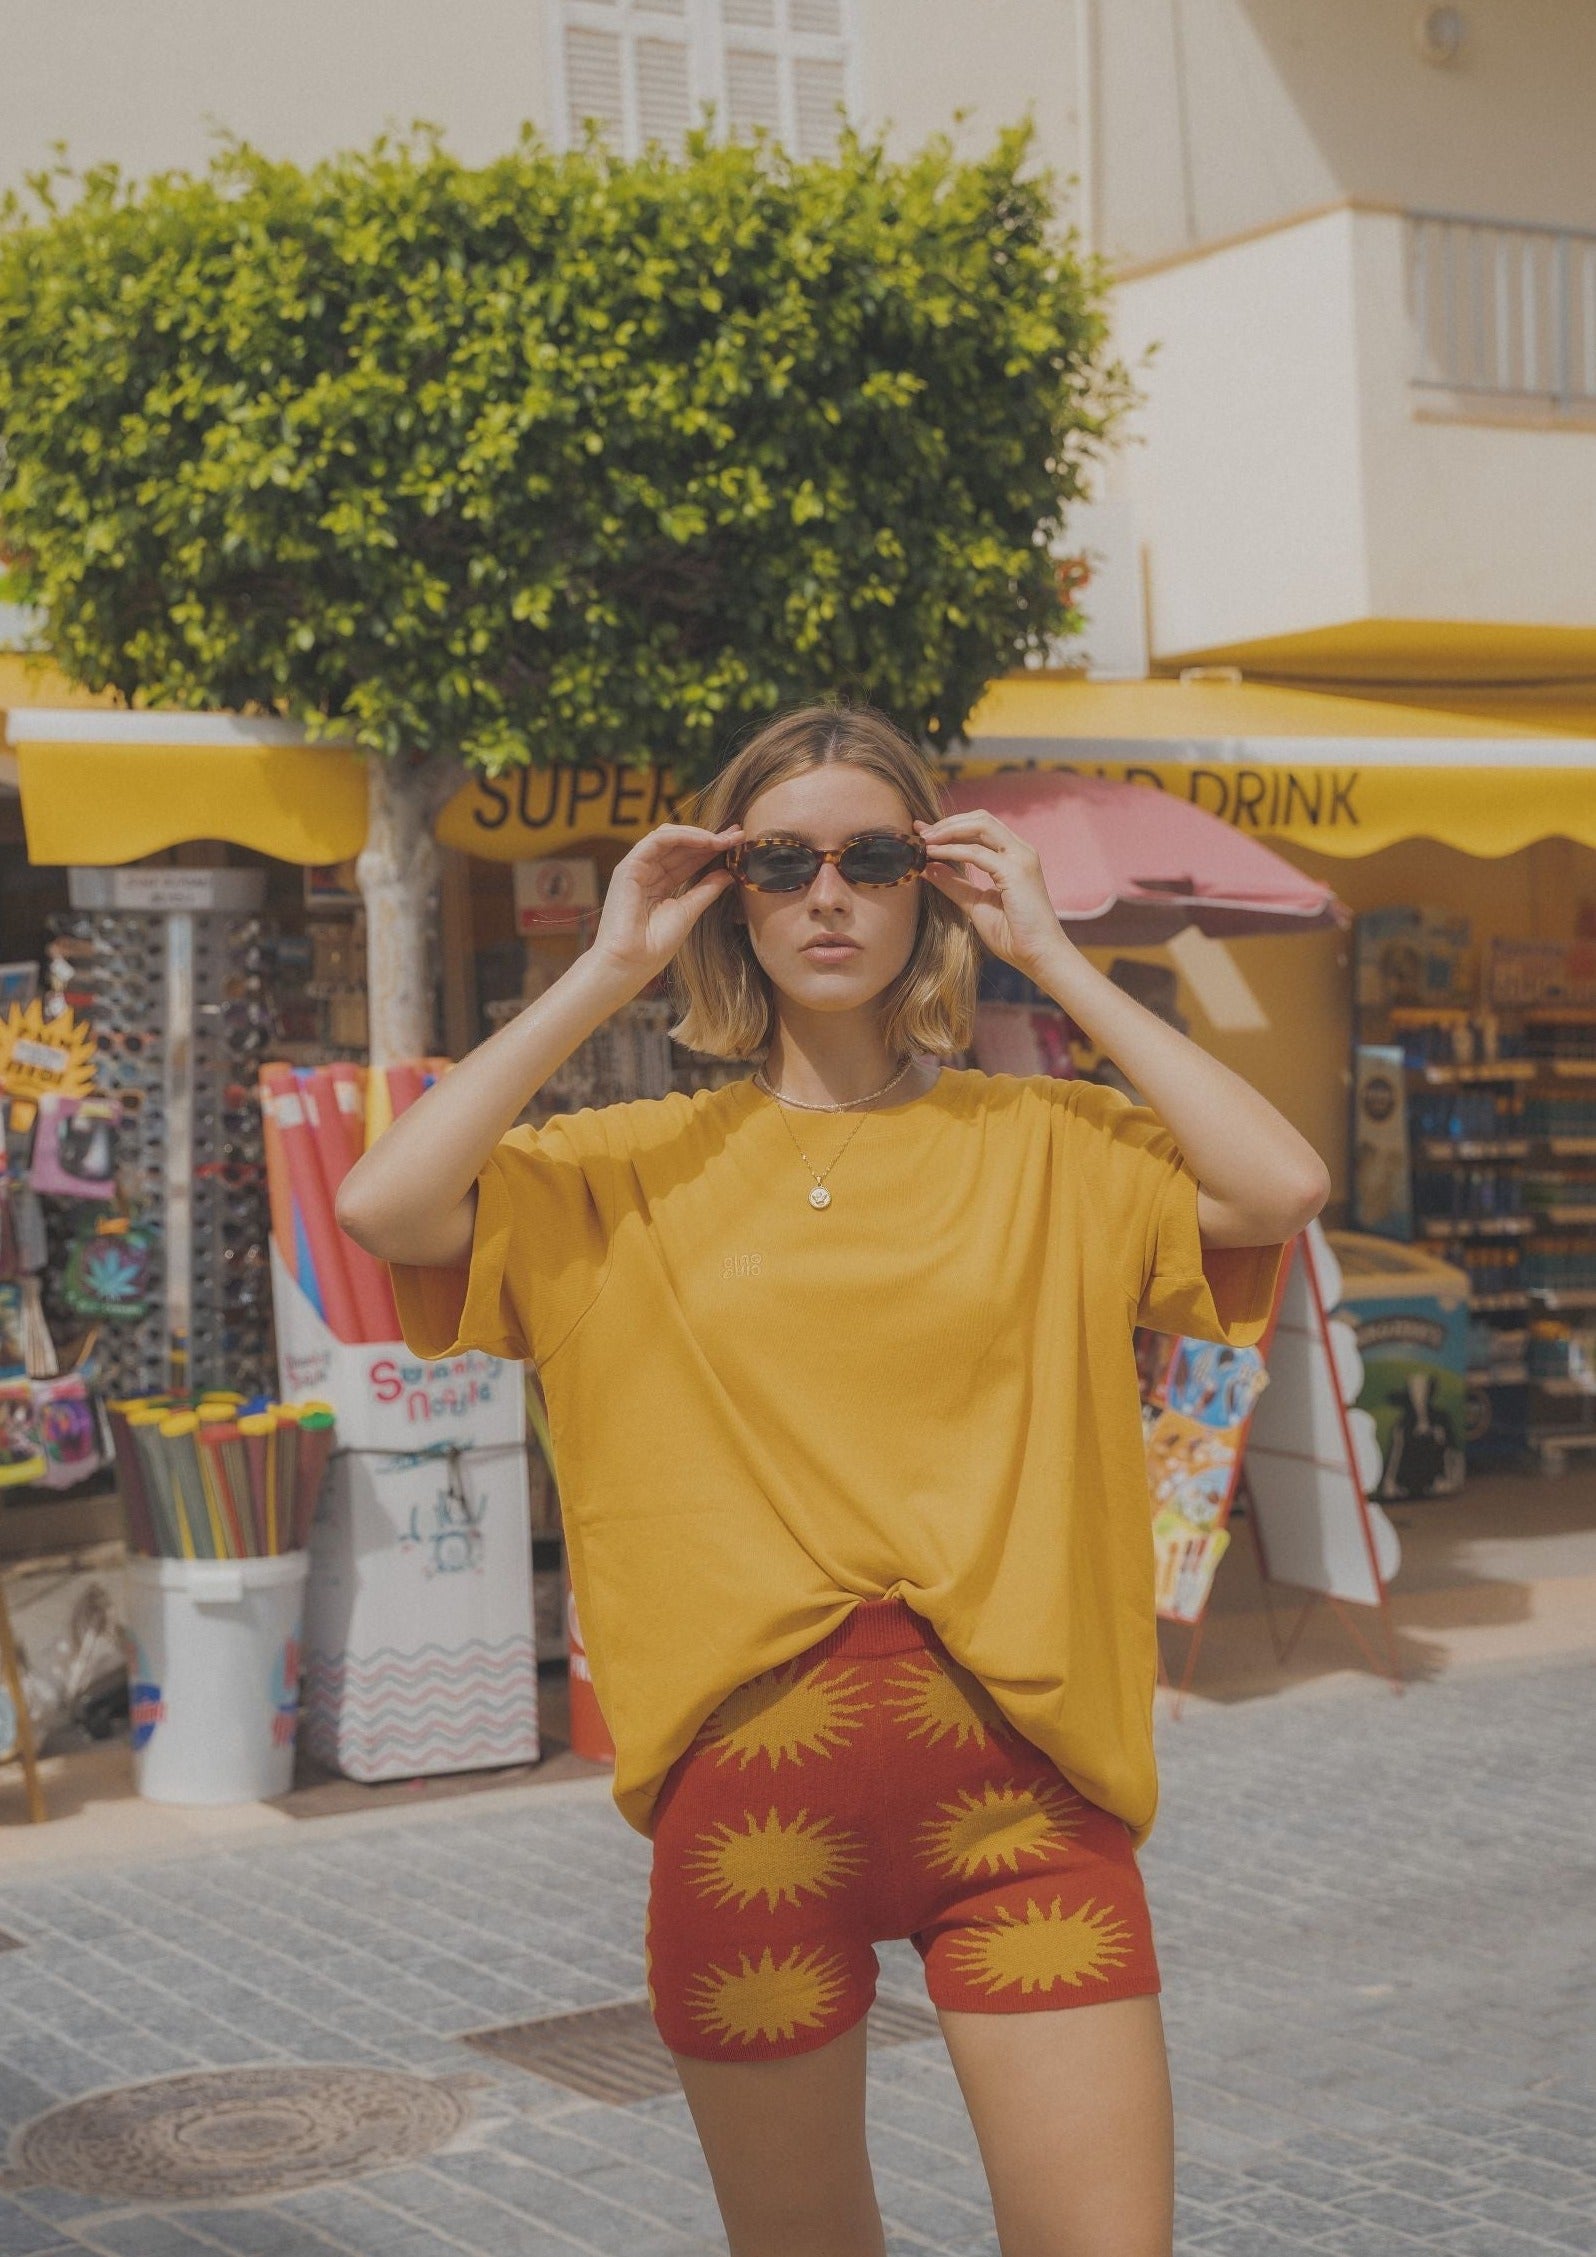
x=399 y=868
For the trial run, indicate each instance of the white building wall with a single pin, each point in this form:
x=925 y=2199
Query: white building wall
x=148 y=83
x=1487 y=515
x=1248 y=478
x=1207 y=116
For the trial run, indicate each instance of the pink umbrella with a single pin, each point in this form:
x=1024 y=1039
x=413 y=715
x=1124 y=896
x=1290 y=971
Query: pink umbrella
x=1132 y=866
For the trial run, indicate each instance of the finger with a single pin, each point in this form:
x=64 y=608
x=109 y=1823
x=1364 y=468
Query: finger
x=988 y=858
x=712 y=883
x=676 y=857
x=674 y=840
x=969 y=822
x=964 y=895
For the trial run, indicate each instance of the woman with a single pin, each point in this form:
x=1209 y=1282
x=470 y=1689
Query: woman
x=841 y=1381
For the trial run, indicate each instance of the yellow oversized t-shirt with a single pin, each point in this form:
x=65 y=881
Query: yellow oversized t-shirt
x=762 y=1414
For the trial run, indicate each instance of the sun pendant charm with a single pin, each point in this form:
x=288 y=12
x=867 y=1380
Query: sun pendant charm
x=820 y=1196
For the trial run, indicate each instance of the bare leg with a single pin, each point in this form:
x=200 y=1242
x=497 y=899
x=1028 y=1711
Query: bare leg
x=1073 y=2113
x=785 y=2145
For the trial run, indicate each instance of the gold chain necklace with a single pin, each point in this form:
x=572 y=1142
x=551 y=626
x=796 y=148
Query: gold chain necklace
x=820 y=1197
x=809 y=1105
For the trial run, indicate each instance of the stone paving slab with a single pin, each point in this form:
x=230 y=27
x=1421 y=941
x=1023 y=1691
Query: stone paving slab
x=1375 y=1917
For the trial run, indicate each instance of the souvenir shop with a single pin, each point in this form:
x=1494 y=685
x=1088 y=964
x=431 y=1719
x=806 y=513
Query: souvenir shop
x=1430 y=1035
x=1440 y=1051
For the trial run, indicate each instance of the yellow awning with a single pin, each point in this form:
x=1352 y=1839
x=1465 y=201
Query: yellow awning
x=111 y=786
x=1344 y=775
x=1486 y=772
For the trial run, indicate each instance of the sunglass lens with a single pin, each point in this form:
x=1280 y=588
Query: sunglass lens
x=779 y=867
x=879 y=862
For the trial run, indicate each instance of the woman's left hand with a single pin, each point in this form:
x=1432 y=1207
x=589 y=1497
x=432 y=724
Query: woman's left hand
x=1012 y=916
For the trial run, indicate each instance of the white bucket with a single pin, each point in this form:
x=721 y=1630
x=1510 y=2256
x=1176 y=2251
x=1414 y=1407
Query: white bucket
x=214 y=1648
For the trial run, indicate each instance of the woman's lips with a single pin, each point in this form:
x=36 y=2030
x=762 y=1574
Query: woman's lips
x=830 y=951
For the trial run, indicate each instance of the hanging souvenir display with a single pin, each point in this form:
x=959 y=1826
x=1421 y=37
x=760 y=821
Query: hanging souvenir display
x=74 y=1147
x=21 y=1457
x=109 y=1270
x=68 y=1425
x=11 y=1353
x=42 y=1057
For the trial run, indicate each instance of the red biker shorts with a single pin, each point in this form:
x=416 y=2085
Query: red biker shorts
x=871 y=1789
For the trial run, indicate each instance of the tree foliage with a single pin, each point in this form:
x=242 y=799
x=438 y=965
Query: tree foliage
x=558 y=457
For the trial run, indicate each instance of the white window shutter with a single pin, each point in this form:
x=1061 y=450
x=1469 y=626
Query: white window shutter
x=642 y=70
x=818 y=19
x=819 y=89
x=664 y=99
x=753 y=91
x=593 y=82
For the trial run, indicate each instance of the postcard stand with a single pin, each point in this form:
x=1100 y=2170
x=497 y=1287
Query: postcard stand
x=1274 y=1426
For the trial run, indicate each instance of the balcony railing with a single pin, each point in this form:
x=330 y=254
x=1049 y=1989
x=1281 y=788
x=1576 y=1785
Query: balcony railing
x=1503 y=309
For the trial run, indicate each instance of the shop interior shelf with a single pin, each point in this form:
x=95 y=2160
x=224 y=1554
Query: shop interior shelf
x=1478 y=1226
x=1494 y=1069
x=1563 y=1385
x=1573 y=1069
x=1489 y=1303
x=1446 y=1150
x=1567 y=1218
x=1550 y=1298
x=1572 y=1147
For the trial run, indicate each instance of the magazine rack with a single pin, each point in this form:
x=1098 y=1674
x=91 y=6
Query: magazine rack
x=1274 y=1426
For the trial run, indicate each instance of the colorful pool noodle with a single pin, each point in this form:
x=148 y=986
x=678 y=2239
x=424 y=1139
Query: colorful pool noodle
x=406 y=1082
x=317 y=1432
x=379 y=1106
x=257 y=1429
x=278 y=1196
x=130 y=1481
x=217 y=1436
x=281 y=1091
x=332 y=1116
x=275 y=1081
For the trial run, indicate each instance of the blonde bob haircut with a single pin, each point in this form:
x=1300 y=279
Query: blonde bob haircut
x=715 y=979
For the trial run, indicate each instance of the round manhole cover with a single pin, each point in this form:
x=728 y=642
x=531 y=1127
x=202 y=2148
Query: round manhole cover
x=237 y=2132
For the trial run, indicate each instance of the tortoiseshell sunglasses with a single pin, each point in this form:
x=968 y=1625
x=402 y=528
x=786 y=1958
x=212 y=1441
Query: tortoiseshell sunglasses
x=780 y=864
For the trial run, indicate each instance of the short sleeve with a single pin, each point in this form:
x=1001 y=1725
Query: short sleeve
x=1149 y=1202
x=539 y=1251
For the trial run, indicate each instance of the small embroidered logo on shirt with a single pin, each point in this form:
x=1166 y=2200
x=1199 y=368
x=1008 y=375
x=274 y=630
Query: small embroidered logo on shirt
x=741 y=1265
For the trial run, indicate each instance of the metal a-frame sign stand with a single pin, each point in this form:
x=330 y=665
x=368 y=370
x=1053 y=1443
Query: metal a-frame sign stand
x=1295 y=1461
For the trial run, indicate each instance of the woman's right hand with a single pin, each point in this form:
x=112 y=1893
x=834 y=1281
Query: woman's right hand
x=645 y=920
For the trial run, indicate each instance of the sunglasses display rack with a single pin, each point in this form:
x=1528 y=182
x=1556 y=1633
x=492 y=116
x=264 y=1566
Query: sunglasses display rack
x=174 y=969
x=112 y=969
x=230 y=1326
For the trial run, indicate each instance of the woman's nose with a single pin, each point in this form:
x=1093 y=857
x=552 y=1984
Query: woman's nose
x=829 y=889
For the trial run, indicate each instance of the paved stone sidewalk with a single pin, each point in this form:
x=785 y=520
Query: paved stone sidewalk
x=1376 y=1919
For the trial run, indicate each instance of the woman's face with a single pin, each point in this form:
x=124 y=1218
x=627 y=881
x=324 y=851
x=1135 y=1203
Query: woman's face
x=832 y=946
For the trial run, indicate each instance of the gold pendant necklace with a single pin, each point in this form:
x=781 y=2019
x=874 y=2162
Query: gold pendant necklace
x=820 y=1197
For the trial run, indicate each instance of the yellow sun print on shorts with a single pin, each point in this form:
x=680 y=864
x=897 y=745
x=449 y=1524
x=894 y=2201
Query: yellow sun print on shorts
x=1042 y=1949
x=787 y=1714
x=774 y=1999
x=931 y=1701
x=778 y=1860
x=990 y=1831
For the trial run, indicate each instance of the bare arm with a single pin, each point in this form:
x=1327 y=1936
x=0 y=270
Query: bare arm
x=412 y=1197
x=1259 y=1180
